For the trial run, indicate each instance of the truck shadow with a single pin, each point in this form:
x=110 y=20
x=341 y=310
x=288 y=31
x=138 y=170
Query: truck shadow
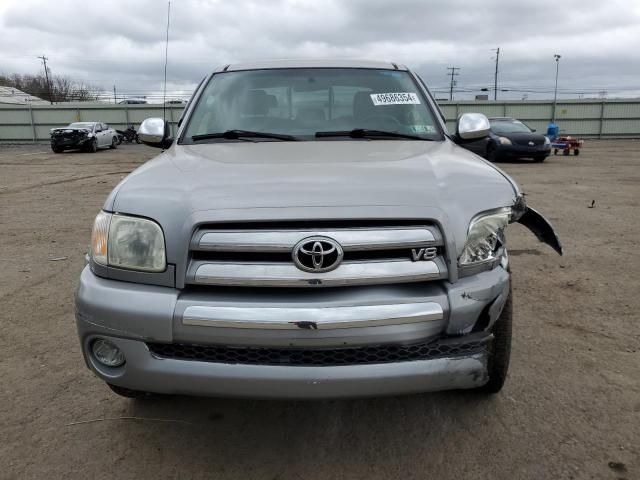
x=309 y=434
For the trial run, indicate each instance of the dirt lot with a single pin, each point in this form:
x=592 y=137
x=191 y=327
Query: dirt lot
x=570 y=409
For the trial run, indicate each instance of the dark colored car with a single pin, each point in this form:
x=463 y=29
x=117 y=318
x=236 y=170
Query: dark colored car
x=510 y=138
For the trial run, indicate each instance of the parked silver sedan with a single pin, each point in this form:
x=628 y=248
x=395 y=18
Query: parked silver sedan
x=88 y=136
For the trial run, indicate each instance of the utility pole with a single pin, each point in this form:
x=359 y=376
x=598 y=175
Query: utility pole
x=495 y=77
x=46 y=74
x=453 y=73
x=555 y=91
x=115 y=98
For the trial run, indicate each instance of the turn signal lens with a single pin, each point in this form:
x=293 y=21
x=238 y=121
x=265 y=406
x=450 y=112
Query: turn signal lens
x=100 y=237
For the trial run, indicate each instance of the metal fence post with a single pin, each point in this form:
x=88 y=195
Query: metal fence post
x=33 y=126
x=601 y=119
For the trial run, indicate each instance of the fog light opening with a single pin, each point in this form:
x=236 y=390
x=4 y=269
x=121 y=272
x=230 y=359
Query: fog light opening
x=107 y=353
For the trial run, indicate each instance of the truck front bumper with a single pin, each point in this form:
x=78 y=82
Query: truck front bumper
x=135 y=316
x=146 y=372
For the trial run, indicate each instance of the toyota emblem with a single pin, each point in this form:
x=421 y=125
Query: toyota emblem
x=317 y=254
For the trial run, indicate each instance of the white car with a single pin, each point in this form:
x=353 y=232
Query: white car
x=88 y=136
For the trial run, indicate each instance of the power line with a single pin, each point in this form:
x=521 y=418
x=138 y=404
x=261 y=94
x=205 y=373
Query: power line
x=453 y=74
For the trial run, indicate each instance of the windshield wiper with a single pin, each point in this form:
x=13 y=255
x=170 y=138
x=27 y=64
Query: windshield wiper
x=366 y=133
x=239 y=134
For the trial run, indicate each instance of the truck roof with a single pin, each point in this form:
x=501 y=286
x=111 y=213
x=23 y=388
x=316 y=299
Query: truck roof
x=311 y=63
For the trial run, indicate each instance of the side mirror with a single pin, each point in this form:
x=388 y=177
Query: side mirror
x=155 y=133
x=98 y=129
x=472 y=126
x=533 y=129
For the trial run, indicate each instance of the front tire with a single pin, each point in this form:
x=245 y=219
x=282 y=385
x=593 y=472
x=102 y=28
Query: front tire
x=491 y=153
x=114 y=143
x=93 y=146
x=500 y=350
x=540 y=158
x=57 y=149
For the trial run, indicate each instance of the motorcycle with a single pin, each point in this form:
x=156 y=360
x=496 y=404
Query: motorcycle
x=129 y=135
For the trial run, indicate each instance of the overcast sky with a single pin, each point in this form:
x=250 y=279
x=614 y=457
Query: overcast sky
x=117 y=42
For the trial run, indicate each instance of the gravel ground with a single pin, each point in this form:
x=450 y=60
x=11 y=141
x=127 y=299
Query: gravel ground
x=570 y=408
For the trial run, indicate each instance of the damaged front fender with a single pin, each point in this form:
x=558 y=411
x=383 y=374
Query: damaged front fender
x=537 y=224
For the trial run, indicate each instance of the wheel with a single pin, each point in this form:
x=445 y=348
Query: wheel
x=128 y=393
x=555 y=151
x=540 y=158
x=576 y=151
x=119 y=137
x=137 y=139
x=114 y=143
x=93 y=146
x=491 y=153
x=566 y=152
x=57 y=149
x=500 y=350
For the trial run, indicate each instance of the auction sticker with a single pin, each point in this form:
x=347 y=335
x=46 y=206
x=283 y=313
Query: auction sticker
x=400 y=98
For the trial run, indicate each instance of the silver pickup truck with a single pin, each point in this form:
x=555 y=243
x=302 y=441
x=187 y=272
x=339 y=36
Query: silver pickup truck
x=312 y=231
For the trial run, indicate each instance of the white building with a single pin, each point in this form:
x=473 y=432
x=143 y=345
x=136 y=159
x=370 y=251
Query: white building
x=13 y=96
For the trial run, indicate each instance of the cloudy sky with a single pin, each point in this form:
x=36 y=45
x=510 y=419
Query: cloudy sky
x=117 y=42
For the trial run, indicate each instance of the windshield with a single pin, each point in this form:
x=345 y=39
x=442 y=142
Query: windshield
x=301 y=102
x=509 y=126
x=88 y=126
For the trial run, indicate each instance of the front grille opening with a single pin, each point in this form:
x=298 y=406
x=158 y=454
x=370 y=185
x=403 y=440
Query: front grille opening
x=316 y=357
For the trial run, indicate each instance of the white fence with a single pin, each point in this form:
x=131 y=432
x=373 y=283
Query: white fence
x=32 y=124
x=585 y=118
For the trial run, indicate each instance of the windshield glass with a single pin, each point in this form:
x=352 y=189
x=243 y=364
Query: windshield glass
x=509 y=126
x=88 y=126
x=303 y=101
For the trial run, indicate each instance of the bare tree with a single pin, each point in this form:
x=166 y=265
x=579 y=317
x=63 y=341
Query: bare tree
x=63 y=88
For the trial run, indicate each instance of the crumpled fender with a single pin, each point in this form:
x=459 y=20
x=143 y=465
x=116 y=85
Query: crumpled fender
x=537 y=224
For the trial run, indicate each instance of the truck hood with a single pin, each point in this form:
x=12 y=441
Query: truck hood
x=304 y=180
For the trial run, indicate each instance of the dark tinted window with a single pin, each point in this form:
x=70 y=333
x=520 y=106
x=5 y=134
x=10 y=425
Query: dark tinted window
x=508 y=126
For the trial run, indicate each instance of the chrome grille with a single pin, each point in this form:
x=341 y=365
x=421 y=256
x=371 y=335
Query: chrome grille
x=262 y=256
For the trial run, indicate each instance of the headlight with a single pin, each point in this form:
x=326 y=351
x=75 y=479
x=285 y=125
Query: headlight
x=547 y=141
x=128 y=242
x=482 y=239
x=504 y=141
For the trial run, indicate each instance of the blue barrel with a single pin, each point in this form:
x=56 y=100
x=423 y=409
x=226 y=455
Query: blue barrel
x=553 y=131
